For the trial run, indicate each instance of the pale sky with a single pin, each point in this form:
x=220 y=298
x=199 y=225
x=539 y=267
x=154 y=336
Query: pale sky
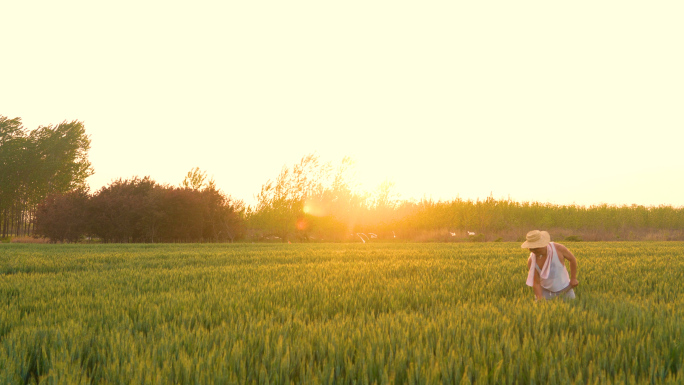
x=561 y=102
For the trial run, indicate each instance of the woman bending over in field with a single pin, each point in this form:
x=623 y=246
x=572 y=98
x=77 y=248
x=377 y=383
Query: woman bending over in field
x=548 y=275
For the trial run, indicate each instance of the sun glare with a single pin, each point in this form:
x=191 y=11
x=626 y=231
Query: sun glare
x=314 y=208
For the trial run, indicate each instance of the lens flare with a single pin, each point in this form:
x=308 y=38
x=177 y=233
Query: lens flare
x=302 y=224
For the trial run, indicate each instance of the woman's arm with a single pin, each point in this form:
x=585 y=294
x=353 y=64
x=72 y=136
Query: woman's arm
x=537 y=288
x=573 y=263
x=537 y=282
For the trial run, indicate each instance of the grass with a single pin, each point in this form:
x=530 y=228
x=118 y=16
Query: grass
x=27 y=239
x=336 y=313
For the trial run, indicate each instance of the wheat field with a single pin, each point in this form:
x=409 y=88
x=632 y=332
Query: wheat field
x=336 y=314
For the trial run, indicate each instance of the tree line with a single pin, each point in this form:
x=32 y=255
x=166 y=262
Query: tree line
x=43 y=193
x=491 y=219
x=314 y=201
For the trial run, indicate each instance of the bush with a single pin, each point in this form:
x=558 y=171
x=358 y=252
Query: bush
x=477 y=238
x=29 y=240
x=62 y=217
x=573 y=238
x=140 y=210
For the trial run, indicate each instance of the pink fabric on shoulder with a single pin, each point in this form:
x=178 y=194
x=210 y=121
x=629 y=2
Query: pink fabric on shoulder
x=544 y=270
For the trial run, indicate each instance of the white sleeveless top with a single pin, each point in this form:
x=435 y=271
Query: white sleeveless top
x=554 y=275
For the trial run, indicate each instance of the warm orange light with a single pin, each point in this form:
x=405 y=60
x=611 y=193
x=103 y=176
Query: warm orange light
x=315 y=208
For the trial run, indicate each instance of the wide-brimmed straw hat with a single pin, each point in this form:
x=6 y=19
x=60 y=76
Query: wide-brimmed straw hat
x=536 y=238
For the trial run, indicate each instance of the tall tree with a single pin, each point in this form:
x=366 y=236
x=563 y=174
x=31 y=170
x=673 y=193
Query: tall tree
x=13 y=145
x=50 y=159
x=62 y=151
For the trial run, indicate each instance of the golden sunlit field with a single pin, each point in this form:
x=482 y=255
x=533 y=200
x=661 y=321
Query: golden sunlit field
x=336 y=313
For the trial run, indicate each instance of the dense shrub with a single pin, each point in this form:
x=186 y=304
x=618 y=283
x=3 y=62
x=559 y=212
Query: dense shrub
x=140 y=210
x=62 y=217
